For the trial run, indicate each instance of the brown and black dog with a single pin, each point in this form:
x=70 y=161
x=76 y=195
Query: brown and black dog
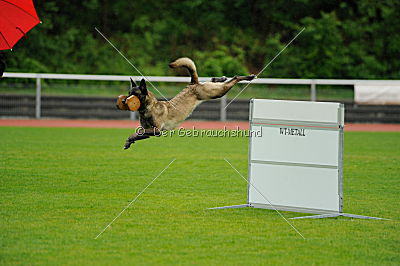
x=155 y=115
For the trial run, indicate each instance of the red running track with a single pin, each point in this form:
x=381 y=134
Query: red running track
x=186 y=124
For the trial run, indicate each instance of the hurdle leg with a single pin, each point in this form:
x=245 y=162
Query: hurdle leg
x=230 y=207
x=338 y=215
x=319 y=216
x=361 y=216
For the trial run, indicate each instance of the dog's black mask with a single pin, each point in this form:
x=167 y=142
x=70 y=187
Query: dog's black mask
x=139 y=91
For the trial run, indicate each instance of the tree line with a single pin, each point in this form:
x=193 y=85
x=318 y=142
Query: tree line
x=342 y=39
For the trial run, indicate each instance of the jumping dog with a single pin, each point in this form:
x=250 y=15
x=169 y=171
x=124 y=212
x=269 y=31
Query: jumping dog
x=155 y=115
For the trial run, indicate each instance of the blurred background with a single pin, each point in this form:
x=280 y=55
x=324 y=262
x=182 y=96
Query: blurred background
x=348 y=40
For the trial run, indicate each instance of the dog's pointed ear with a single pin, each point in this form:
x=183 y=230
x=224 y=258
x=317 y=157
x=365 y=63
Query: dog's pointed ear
x=143 y=87
x=133 y=83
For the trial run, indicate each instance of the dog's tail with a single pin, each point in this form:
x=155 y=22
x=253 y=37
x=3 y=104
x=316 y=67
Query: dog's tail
x=189 y=65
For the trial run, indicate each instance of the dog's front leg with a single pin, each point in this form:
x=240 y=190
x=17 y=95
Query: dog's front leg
x=141 y=134
x=132 y=138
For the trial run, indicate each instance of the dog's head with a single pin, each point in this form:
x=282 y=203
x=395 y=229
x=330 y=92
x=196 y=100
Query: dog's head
x=139 y=91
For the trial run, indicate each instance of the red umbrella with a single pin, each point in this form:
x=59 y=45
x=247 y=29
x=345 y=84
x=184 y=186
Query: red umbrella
x=17 y=17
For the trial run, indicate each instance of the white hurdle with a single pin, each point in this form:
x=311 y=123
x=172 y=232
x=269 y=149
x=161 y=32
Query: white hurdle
x=296 y=163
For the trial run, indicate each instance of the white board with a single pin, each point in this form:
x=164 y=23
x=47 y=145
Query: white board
x=320 y=112
x=293 y=186
x=277 y=146
x=296 y=162
x=377 y=94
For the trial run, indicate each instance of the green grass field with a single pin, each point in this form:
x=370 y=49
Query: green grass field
x=60 y=187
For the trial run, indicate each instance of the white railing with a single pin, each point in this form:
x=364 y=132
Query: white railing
x=311 y=82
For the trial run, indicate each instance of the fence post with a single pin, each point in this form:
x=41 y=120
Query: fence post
x=222 y=110
x=38 y=97
x=313 y=91
x=132 y=115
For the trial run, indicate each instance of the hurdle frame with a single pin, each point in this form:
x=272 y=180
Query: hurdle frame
x=317 y=213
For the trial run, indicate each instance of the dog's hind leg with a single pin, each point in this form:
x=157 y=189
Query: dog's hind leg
x=141 y=134
x=220 y=89
x=236 y=79
x=221 y=79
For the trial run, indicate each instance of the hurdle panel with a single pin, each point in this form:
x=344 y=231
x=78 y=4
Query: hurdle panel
x=295 y=163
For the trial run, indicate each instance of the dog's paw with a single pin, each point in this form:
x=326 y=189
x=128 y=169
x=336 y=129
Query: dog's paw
x=128 y=144
x=251 y=77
